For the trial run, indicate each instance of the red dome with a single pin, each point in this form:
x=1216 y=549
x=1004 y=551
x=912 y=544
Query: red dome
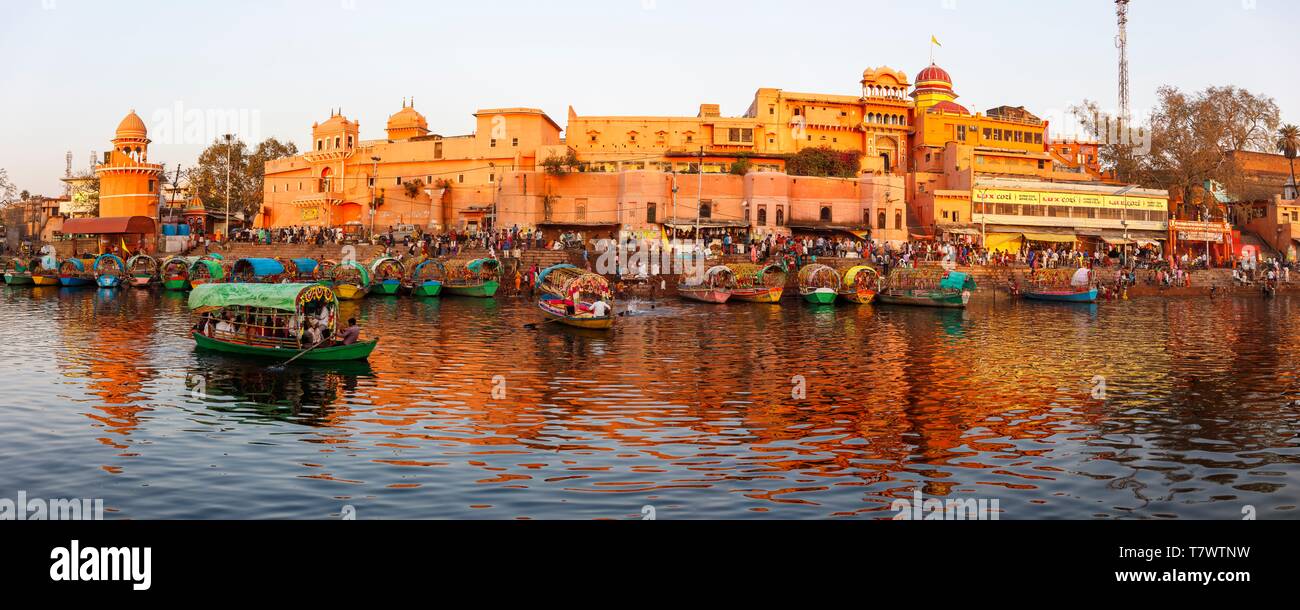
x=951 y=107
x=933 y=73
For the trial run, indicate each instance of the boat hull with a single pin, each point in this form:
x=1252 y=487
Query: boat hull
x=350 y=292
x=704 y=295
x=820 y=297
x=929 y=299
x=108 y=281
x=18 y=279
x=427 y=289
x=589 y=323
x=178 y=284
x=387 y=288
x=758 y=295
x=142 y=281
x=73 y=282
x=1063 y=297
x=45 y=280
x=485 y=290
x=864 y=297
x=339 y=353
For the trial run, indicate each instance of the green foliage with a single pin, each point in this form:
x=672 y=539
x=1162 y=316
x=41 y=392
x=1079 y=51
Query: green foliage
x=741 y=166
x=247 y=172
x=824 y=162
x=556 y=165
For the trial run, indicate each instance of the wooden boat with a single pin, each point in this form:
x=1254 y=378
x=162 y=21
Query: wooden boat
x=323 y=274
x=75 y=272
x=269 y=321
x=300 y=270
x=260 y=271
x=142 y=270
x=109 y=270
x=208 y=270
x=386 y=276
x=714 y=287
x=758 y=284
x=45 y=270
x=426 y=279
x=569 y=296
x=475 y=278
x=176 y=272
x=819 y=284
x=860 y=285
x=927 y=287
x=1063 y=285
x=350 y=281
x=16 y=272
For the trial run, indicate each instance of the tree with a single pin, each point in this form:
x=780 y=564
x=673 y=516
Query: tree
x=558 y=165
x=741 y=166
x=6 y=187
x=247 y=173
x=824 y=161
x=413 y=188
x=1288 y=144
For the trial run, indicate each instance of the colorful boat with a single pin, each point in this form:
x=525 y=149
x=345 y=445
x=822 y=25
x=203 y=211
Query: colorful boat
x=259 y=271
x=16 y=272
x=350 y=281
x=300 y=270
x=476 y=278
x=569 y=296
x=176 y=272
x=109 y=270
x=386 y=276
x=819 y=284
x=268 y=321
x=208 y=270
x=860 y=285
x=426 y=279
x=142 y=270
x=927 y=287
x=714 y=287
x=1063 y=285
x=75 y=272
x=323 y=274
x=757 y=283
x=45 y=270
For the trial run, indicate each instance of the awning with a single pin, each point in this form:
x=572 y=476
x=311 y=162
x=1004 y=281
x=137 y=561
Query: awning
x=1050 y=238
x=120 y=225
x=1118 y=241
x=960 y=231
x=1147 y=243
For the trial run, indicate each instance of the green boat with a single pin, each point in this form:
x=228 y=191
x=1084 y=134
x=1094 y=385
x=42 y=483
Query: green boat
x=819 y=284
x=426 y=279
x=272 y=321
x=477 y=278
x=386 y=275
x=927 y=287
x=16 y=273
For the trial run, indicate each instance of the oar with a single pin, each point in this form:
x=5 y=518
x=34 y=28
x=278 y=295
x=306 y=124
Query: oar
x=536 y=325
x=300 y=355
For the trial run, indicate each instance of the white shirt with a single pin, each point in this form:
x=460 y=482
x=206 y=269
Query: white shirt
x=600 y=309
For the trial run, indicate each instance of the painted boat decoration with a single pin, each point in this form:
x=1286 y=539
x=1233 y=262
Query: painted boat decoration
x=350 y=281
x=208 y=271
x=300 y=270
x=142 y=270
x=475 y=278
x=270 y=320
x=176 y=272
x=819 y=284
x=860 y=285
x=1063 y=285
x=757 y=283
x=259 y=271
x=386 y=276
x=927 y=287
x=714 y=287
x=109 y=270
x=45 y=270
x=570 y=295
x=75 y=272
x=323 y=274
x=16 y=272
x=426 y=279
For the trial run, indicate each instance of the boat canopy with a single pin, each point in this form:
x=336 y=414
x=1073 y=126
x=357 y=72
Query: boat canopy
x=561 y=280
x=351 y=270
x=75 y=263
x=957 y=281
x=863 y=274
x=746 y=274
x=719 y=276
x=248 y=268
x=143 y=262
x=283 y=297
x=103 y=260
x=429 y=270
x=387 y=268
x=305 y=266
x=212 y=267
x=819 y=276
x=479 y=265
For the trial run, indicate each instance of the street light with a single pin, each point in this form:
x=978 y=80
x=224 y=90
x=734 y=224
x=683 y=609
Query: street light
x=225 y=233
x=374 y=184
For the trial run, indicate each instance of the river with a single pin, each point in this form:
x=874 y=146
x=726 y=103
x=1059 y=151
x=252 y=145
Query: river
x=1151 y=408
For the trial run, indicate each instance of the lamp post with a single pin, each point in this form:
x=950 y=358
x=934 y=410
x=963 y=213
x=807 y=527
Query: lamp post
x=225 y=234
x=374 y=185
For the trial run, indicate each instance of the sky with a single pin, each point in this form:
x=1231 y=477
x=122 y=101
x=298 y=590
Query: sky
x=270 y=68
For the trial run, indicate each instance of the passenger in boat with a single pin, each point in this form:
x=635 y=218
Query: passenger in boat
x=350 y=334
x=225 y=328
x=600 y=309
x=313 y=334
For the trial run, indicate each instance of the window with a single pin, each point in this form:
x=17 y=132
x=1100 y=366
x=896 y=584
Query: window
x=399 y=181
x=336 y=142
x=593 y=138
x=153 y=185
x=370 y=182
x=956 y=216
x=428 y=180
x=492 y=177
x=780 y=217
x=898 y=220
x=690 y=139
x=492 y=143
x=650 y=213
x=762 y=216
x=706 y=208
x=320 y=145
x=437 y=150
x=1040 y=164
x=961 y=133
x=580 y=209
x=514 y=142
x=826 y=213
x=945 y=214
x=880 y=221
x=988 y=133
x=1038 y=138
x=460 y=178
x=349 y=141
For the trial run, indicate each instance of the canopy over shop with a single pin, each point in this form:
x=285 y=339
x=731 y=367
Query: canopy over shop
x=1197 y=238
x=133 y=233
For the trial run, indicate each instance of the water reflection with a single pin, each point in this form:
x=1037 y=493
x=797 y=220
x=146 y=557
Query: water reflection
x=730 y=411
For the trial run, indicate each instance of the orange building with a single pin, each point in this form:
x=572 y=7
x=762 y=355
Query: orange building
x=128 y=193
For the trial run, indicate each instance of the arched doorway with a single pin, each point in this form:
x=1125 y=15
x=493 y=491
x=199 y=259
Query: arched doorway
x=348 y=212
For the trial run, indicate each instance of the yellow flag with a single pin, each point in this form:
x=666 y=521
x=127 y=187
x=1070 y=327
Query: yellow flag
x=935 y=41
x=125 y=250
